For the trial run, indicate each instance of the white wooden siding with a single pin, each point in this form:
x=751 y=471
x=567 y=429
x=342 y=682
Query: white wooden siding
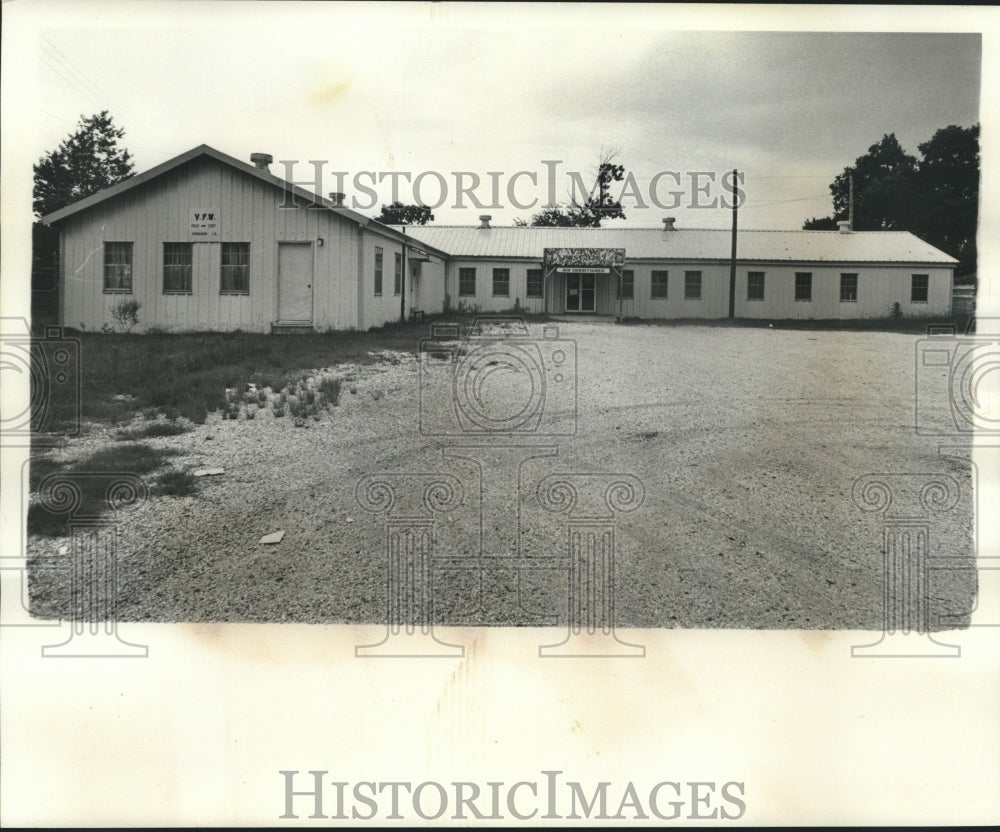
x=484 y=297
x=249 y=212
x=879 y=287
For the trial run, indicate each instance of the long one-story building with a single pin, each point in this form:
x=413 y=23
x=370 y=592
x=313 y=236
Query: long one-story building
x=207 y=242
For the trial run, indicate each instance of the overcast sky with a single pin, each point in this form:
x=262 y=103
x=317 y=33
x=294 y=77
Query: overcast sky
x=490 y=89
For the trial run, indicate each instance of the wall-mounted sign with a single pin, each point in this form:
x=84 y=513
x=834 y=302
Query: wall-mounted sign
x=588 y=257
x=583 y=270
x=204 y=226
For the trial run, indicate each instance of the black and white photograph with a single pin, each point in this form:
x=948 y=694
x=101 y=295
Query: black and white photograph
x=499 y=414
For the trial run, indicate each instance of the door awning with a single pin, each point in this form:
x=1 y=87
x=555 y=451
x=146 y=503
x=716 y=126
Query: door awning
x=592 y=260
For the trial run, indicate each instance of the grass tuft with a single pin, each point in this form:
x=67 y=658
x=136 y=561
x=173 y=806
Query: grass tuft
x=136 y=459
x=152 y=430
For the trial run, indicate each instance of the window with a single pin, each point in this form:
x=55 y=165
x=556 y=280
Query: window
x=755 y=285
x=118 y=267
x=848 y=288
x=535 y=286
x=501 y=282
x=692 y=285
x=918 y=288
x=397 y=282
x=466 y=282
x=177 y=268
x=378 y=270
x=803 y=286
x=235 y=269
x=626 y=289
x=658 y=284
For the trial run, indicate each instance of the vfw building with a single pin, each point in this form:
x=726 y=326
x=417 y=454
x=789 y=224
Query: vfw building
x=207 y=242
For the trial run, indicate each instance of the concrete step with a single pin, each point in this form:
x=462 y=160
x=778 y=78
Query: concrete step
x=291 y=328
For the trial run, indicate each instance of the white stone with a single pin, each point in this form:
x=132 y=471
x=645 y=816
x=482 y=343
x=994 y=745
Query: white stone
x=207 y=472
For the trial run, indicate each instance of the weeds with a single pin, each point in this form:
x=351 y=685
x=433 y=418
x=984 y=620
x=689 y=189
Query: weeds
x=186 y=374
x=176 y=484
x=330 y=388
x=136 y=459
x=154 y=429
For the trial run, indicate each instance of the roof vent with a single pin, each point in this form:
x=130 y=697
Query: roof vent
x=484 y=220
x=668 y=223
x=261 y=160
x=337 y=198
x=844 y=226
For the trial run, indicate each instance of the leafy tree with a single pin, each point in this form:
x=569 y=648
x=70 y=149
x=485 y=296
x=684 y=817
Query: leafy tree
x=820 y=224
x=397 y=213
x=590 y=212
x=85 y=163
x=949 y=176
x=935 y=197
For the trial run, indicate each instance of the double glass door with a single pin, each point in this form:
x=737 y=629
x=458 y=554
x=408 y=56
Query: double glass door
x=580 y=292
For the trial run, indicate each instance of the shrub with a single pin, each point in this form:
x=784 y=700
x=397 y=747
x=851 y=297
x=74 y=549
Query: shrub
x=126 y=314
x=330 y=388
x=897 y=311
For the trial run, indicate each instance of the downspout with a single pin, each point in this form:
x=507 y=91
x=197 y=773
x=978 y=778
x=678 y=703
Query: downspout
x=402 y=284
x=361 y=277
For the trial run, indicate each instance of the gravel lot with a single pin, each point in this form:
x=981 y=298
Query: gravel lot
x=747 y=442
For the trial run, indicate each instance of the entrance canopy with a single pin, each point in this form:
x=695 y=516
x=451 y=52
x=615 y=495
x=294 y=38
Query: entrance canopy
x=584 y=260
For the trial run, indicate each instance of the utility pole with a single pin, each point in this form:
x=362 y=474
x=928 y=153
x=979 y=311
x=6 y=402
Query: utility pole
x=732 y=256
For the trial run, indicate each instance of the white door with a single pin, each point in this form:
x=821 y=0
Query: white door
x=295 y=278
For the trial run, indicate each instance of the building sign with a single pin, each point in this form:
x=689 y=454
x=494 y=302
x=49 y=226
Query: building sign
x=597 y=260
x=204 y=226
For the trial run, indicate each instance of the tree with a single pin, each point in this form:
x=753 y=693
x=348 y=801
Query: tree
x=936 y=197
x=85 y=163
x=949 y=176
x=591 y=211
x=397 y=213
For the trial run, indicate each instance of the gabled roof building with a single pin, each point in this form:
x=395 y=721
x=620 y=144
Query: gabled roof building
x=207 y=242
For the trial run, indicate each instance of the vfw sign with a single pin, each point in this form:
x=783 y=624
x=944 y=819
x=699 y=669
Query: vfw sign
x=204 y=225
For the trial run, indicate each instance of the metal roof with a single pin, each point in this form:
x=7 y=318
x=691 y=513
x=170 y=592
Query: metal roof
x=685 y=244
x=205 y=151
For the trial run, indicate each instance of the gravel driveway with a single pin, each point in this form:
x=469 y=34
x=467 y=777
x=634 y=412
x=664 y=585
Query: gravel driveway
x=747 y=443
